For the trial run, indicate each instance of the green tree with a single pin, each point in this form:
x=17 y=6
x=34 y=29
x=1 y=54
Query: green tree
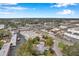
x=27 y=49
x=70 y=50
x=48 y=41
x=49 y=52
x=36 y=40
x=1 y=44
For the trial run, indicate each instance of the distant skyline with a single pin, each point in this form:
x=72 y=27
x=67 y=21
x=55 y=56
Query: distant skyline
x=39 y=10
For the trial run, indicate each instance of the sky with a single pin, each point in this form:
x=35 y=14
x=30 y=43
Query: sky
x=39 y=10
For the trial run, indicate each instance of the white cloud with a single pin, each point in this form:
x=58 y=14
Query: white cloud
x=16 y=8
x=8 y=4
x=65 y=12
x=63 y=4
x=6 y=13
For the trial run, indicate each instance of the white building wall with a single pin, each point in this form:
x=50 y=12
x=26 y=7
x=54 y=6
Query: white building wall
x=2 y=26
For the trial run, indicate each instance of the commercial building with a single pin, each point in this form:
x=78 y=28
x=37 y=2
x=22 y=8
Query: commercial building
x=72 y=34
x=2 y=26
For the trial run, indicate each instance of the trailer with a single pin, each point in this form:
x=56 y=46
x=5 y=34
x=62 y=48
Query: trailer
x=13 y=40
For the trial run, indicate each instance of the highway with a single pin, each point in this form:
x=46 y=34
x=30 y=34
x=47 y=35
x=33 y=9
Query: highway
x=13 y=50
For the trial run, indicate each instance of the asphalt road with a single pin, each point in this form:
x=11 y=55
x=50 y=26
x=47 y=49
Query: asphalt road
x=13 y=50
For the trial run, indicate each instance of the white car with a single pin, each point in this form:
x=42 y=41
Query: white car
x=18 y=39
